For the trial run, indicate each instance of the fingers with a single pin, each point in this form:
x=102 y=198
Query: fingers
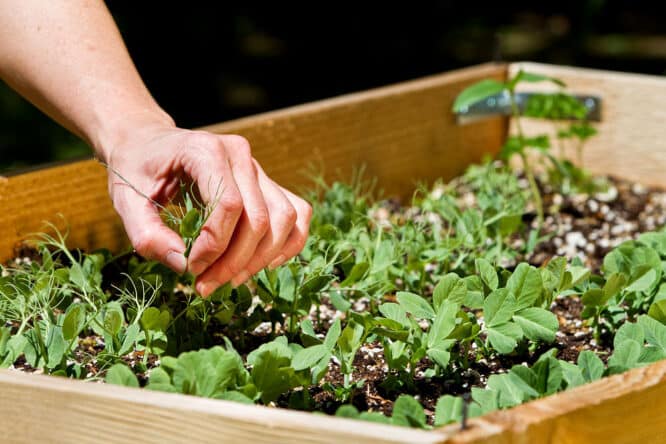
x=145 y=229
x=208 y=164
x=239 y=262
x=299 y=234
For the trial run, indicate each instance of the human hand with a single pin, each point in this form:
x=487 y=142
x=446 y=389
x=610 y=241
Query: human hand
x=254 y=222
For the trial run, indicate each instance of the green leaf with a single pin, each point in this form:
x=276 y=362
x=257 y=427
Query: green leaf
x=624 y=357
x=573 y=374
x=75 y=318
x=504 y=337
x=629 y=331
x=347 y=411
x=488 y=273
x=332 y=334
x=415 y=305
x=477 y=92
x=308 y=357
x=499 y=307
x=594 y=297
x=591 y=366
x=537 y=324
x=395 y=312
x=447 y=410
x=658 y=311
x=549 y=375
x=451 y=287
x=407 y=411
x=153 y=319
x=530 y=77
x=485 y=401
x=614 y=284
x=339 y=301
x=191 y=224
x=655 y=331
x=526 y=285
x=357 y=272
x=121 y=374
x=440 y=356
x=444 y=324
x=511 y=388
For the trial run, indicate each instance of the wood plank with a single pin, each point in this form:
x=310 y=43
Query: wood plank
x=73 y=196
x=625 y=408
x=403 y=133
x=37 y=408
x=632 y=135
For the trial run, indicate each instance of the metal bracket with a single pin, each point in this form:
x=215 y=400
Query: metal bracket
x=500 y=105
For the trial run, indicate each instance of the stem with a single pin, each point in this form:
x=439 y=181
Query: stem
x=534 y=188
x=579 y=154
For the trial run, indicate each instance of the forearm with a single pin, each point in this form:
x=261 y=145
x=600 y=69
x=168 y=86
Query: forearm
x=67 y=57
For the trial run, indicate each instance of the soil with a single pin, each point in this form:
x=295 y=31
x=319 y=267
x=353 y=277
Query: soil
x=579 y=226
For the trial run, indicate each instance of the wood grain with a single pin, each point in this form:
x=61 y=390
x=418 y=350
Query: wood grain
x=38 y=408
x=632 y=135
x=73 y=197
x=402 y=133
x=626 y=408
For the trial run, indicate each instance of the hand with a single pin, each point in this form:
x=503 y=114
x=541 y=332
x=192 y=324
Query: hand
x=255 y=223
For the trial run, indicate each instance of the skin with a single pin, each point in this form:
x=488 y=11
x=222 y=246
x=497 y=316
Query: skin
x=68 y=58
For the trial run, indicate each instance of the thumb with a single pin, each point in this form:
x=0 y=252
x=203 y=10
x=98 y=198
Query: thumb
x=150 y=237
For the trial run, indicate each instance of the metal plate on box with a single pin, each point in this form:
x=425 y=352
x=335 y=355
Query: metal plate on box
x=500 y=105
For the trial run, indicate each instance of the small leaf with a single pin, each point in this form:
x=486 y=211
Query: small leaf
x=120 y=374
x=591 y=366
x=332 y=334
x=658 y=311
x=357 y=272
x=477 y=92
x=628 y=331
x=537 y=324
x=451 y=287
x=499 y=307
x=415 y=305
x=308 y=357
x=407 y=411
x=526 y=285
x=488 y=273
x=440 y=356
x=191 y=224
x=448 y=409
x=504 y=338
x=75 y=318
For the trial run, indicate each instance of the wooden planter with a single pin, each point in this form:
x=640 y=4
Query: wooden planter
x=402 y=134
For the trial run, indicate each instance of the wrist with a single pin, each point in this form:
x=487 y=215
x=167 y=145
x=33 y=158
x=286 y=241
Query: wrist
x=116 y=135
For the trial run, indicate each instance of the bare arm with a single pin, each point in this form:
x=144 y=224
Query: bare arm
x=68 y=58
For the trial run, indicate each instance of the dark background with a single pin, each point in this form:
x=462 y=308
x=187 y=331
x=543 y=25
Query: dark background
x=207 y=62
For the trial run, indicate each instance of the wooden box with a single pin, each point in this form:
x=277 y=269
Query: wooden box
x=403 y=134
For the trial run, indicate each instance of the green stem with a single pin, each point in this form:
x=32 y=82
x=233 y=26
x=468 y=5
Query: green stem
x=534 y=188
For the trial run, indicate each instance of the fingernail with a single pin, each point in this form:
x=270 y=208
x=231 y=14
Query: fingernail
x=277 y=262
x=176 y=261
x=240 y=278
x=206 y=288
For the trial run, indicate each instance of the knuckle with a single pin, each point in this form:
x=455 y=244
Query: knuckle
x=232 y=203
x=289 y=214
x=239 y=145
x=260 y=220
x=203 y=141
